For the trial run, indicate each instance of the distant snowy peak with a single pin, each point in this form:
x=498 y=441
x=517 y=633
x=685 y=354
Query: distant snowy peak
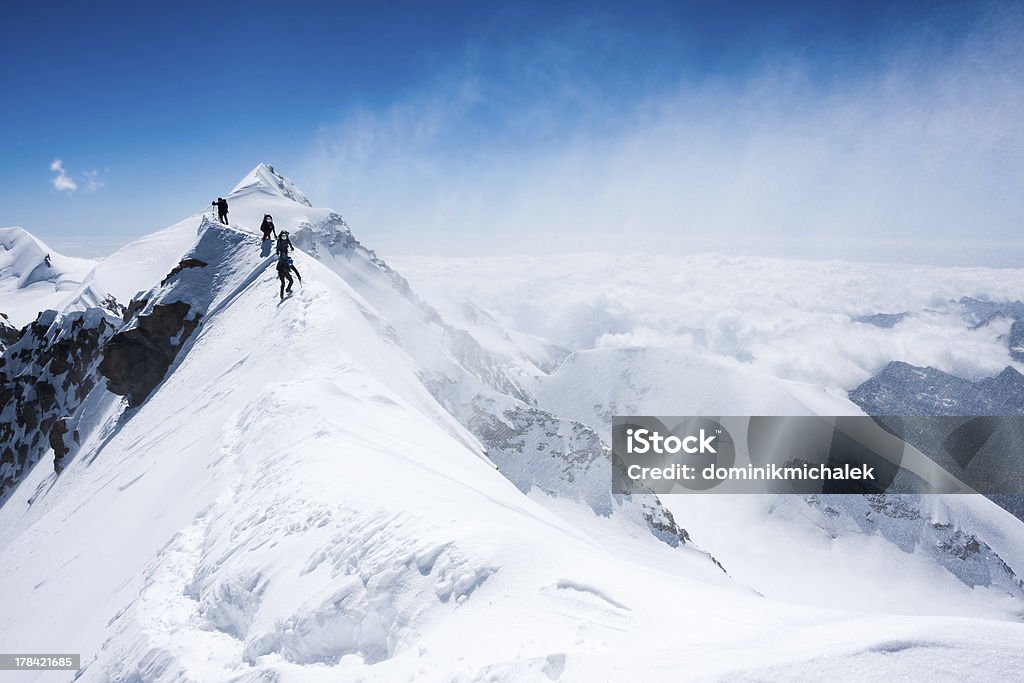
x=264 y=178
x=28 y=259
x=34 y=277
x=904 y=389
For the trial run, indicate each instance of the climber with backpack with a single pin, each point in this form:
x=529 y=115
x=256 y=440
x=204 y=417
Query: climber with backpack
x=268 y=227
x=284 y=244
x=222 y=209
x=285 y=268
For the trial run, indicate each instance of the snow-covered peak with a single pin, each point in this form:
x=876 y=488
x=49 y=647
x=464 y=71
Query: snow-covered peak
x=29 y=259
x=264 y=178
x=34 y=277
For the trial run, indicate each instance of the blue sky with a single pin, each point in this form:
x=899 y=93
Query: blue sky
x=498 y=128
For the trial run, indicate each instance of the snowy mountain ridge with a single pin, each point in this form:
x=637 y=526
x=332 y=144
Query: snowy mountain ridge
x=305 y=489
x=222 y=286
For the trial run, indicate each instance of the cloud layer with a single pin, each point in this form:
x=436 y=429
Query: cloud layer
x=791 y=319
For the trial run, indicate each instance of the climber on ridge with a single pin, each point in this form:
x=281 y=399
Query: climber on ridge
x=268 y=227
x=285 y=268
x=222 y=209
x=284 y=243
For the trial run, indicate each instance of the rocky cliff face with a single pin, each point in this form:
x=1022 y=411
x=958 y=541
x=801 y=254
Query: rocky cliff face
x=949 y=419
x=904 y=389
x=8 y=333
x=59 y=359
x=159 y=323
x=910 y=523
x=44 y=377
x=136 y=359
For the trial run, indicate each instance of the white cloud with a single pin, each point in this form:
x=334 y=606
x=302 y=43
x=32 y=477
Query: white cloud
x=93 y=181
x=90 y=180
x=62 y=181
x=790 y=319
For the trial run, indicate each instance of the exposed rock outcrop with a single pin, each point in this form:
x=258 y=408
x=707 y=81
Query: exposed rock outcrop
x=182 y=265
x=904 y=389
x=914 y=526
x=136 y=359
x=8 y=332
x=44 y=377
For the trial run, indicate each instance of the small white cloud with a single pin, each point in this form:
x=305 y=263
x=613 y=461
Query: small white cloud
x=62 y=181
x=93 y=181
x=90 y=180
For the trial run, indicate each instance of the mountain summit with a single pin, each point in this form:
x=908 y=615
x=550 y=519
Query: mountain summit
x=265 y=178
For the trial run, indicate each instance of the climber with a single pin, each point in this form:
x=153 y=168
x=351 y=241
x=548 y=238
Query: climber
x=268 y=227
x=285 y=268
x=222 y=209
x=284 y=243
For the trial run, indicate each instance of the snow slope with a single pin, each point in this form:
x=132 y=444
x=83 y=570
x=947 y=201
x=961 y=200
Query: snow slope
x=595 y=385
x=299 y=499
x=693 y=336
x=34 y=277
x=137 y=265
x=277 y=510
x=482 y=387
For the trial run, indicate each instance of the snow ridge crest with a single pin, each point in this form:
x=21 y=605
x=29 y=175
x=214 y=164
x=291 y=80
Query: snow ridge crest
x=264 y=178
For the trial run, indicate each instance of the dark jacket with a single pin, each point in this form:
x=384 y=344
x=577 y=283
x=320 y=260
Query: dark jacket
x=284 y=266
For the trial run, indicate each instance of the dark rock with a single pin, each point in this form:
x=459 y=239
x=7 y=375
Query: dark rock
x=185 y=263
x=136 y=359
x=1016 y=340
x=979 y=312
x=883 y=320
x=61 y=441
x=960 y=424
x=904 y=389
x=8 y=332
x=112 y=305
x=44 y=377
